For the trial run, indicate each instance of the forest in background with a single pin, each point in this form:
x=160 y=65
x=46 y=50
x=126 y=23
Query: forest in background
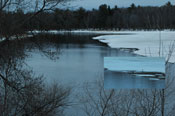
x=133 y=17
x=22 y=93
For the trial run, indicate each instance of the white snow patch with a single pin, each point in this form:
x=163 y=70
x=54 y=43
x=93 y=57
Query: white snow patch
x=81 y=31
x=2 y=39
x=149 y=43
x=154 y=79
x=145 y=75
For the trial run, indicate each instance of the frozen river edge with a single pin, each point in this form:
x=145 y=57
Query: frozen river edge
x=152 y=43
x=146 y=43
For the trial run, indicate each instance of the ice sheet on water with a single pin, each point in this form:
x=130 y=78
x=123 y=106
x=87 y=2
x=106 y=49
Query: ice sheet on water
x=149 y=43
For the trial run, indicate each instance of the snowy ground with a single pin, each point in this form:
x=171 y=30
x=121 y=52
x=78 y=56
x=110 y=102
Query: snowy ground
x=77 y=32
x=138 y=64
x=149 y=43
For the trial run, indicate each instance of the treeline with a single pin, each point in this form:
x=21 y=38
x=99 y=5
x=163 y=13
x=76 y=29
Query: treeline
x=133 y=17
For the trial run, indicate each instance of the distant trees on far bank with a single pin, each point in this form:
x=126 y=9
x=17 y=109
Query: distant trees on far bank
x=133 y=17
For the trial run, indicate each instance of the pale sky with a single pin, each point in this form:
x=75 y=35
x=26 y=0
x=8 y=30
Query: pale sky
x=89 y=4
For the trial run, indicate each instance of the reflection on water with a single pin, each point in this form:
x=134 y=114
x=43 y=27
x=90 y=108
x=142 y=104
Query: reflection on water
x=119 y=80
x=76 y=64
x=81 y=60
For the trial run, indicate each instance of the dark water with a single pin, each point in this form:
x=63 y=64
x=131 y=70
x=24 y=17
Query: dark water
x=76 y=64
x=79 y=60
x=73 y=60
x=118 y=80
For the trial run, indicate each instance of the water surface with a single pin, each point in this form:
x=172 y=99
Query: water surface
x=80 y=60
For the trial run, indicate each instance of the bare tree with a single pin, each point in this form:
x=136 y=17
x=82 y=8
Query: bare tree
x=138 y=102
x=141 y=102
x=22 y=93
x=11 y=27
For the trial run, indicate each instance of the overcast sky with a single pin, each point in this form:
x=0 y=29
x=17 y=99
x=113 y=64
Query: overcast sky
x=89 y=4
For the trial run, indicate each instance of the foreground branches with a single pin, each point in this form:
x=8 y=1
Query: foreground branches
x=23 y=93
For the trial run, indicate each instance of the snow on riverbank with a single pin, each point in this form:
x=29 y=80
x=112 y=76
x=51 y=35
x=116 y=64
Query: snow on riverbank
x=15 y=37
x=149 y=43
x=93 y=31
x=77 y=32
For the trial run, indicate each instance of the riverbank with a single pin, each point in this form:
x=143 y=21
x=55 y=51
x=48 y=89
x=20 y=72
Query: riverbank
x=153 y=43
